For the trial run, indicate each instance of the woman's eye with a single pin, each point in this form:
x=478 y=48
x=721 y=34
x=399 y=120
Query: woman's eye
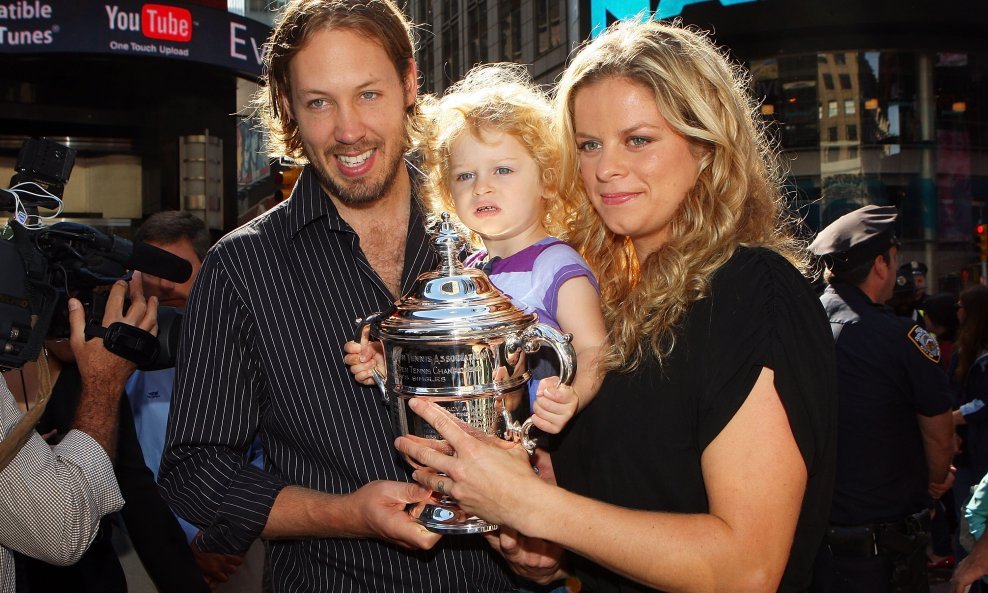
x=368 y=95
x=317 y=103
x=464 y=176
x=638 y=141
x=588 y=146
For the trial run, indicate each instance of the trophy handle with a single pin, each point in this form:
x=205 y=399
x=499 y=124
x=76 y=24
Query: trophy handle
x=531 y=340
x=372 y=320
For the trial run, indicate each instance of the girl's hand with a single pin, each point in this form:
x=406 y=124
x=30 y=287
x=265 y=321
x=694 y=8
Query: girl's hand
x=555 y=405
x=363 y=358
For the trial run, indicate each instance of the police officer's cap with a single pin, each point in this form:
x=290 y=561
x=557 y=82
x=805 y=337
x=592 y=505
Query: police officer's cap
x=917 y=268
x=856 y=237
x=904 y=282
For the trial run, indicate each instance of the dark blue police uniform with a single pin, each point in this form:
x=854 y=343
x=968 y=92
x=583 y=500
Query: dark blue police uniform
x=888 y=372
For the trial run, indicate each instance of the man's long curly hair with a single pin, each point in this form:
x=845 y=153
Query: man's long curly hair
x=491 y=98
x=736 y=200
x=380 y=20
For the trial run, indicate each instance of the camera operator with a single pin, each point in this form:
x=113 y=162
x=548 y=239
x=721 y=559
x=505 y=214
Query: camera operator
x=52 y=498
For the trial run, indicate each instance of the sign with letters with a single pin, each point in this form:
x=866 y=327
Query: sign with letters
x=128 y=27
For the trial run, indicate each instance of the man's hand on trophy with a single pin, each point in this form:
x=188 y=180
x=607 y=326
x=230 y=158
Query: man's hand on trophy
x=381 y=506
x=555 y=405
x=364 y=358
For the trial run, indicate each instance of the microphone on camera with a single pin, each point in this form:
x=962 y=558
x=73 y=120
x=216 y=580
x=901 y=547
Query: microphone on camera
x=158 y=262
x=132 y=255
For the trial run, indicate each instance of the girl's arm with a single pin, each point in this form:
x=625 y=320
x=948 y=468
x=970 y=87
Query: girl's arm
x=578 y=314
x=754 y=475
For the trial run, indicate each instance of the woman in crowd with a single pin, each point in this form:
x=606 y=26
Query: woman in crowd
x=970 y=374
x=706 y=461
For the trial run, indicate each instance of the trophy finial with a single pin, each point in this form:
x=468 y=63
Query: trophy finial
x=448 y=244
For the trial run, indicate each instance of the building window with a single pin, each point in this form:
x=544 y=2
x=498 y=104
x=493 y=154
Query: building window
x=849 y=106
x=852 y=132
x=548 y=27
x=852 y=151
x=845 y=81
x=451 y=41
x=477 y=32
x=840 y=59
x=828 y=81
x=832 y=108
x=509 y=15
x=422 y=13
x=832 y=133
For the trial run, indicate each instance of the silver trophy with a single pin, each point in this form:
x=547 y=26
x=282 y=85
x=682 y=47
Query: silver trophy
x=456 y=340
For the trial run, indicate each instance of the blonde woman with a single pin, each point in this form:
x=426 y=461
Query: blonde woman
x=705 y=462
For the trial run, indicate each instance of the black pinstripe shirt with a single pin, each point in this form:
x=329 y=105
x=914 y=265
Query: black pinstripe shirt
x=262 y=354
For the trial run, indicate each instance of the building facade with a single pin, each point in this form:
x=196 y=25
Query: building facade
x=872 y=101
x=152 y=95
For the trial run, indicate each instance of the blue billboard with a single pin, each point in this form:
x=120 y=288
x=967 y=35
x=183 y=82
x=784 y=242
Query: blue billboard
x=604 y=12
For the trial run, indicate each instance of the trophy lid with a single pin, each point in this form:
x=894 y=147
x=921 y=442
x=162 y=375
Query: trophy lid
x=453 y=301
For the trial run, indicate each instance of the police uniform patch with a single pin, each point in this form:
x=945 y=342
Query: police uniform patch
x=926 y=343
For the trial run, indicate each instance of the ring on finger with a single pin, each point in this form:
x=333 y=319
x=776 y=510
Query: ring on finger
x=441 y=488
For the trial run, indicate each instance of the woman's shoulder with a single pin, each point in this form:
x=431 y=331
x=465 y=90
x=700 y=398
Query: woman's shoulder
x=760 y=282
x=758 y=269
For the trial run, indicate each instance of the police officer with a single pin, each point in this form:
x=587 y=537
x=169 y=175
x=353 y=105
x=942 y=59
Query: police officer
x=903 y=301
x=894 y=441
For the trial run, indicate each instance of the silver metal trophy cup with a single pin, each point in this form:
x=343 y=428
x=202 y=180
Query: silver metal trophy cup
x=458 y=341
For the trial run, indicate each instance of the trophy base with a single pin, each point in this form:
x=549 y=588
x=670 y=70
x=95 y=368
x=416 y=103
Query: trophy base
x=450 y=519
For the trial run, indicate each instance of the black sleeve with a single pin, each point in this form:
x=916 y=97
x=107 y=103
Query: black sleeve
x=157 y=537
x=763 y=313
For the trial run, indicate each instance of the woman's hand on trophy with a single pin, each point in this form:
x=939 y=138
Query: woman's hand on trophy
x=363 y=358
x=489 y=477
x=533 y=558
x=555 y=405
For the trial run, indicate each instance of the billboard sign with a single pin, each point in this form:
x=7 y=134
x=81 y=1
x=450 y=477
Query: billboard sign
x=605 y=12
x=128 y=27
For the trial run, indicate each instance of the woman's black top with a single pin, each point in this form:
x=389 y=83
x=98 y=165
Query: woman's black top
x=638 y=444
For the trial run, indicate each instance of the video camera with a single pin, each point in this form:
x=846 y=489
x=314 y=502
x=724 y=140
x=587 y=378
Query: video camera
x=42 y=266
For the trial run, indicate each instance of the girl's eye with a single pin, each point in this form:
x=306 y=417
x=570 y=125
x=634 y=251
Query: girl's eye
x=588 y=146
x=502 y=171
x=464 y=176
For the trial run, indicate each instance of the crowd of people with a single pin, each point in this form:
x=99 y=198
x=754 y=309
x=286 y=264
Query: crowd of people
x=729 y=428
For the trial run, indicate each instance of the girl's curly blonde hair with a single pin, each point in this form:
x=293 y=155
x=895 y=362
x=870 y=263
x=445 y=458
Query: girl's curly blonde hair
x=500 y=98
x=736 y=200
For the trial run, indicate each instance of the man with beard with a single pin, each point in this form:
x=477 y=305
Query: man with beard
x=275 y=301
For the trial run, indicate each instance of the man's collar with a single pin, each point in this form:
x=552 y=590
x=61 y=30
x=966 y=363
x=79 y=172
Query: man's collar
x=853 y=295
x=309 y=202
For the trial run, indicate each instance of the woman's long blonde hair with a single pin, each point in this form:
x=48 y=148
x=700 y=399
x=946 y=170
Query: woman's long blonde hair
x=736 y=201
x=494 y=97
